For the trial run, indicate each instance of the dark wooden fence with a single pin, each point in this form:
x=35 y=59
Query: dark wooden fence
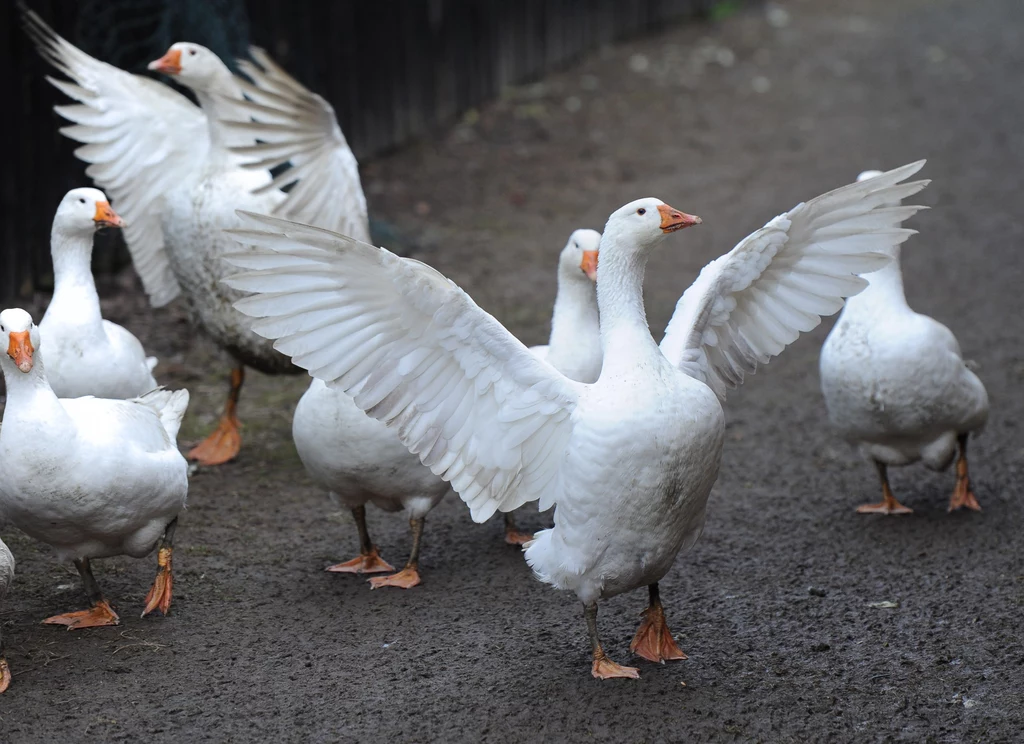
x=392 y=69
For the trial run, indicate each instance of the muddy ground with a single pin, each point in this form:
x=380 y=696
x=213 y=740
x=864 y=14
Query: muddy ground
x=803 y=621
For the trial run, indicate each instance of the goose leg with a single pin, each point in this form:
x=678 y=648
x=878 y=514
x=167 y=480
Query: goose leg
x=512 y=534
x=963 y=496
x=159 y=596
x=409 y=576
x=225 y=441
x=368 y=560
x=890 y=505
x=653 y=641
x=100 y=614
x=603 y=667
x=5 y=671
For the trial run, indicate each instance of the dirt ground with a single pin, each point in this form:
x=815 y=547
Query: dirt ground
x=803 y=621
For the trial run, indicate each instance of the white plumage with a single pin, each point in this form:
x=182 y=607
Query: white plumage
x=629 y=460
x=90 y=477
x=896 y=384
x=87 y=355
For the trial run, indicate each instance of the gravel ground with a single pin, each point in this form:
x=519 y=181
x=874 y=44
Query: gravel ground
x=803 y=621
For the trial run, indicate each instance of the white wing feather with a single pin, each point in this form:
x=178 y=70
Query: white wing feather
x=294 y=125
x=748 y=305
x=414 y=351
x=140 y=138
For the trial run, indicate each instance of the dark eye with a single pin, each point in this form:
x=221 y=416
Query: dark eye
x=192 y=52
x=641 y=211
x=81 y=201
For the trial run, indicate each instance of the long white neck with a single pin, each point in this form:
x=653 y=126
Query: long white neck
x=74 y=290
x=31 y=403
x=883 y=294
x=626 y=339
x=217 y=102
x=574 y=347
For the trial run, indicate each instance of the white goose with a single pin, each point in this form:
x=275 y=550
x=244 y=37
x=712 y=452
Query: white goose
x=85 y=354
x=896 y=385
x=628 y=461
x=6 y=579
x=89 y=476
x=359 y=461
x=173 y=174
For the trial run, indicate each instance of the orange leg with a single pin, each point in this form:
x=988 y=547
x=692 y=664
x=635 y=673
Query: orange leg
x=409 y=576
x=159 y=596
x=368 y=560
x=963 y=496
x=5 y=674
x=890 y=505
x=225 y=441
x=512 y=535
x=603 y=667
x=653 y=641
x=98 y=615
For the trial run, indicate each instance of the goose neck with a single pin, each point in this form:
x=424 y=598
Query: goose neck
x=217 y=103
x=626 y=340
x=883 y=293
x=574 y=320
x=73 y=284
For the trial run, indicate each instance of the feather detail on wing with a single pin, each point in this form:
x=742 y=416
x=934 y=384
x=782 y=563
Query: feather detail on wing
x=414 y=351
x=140 y=139
x=291 y=124
x=748 y=305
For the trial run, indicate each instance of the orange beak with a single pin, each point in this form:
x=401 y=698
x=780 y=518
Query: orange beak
x=19 y=348
x=672 y=219
x=169 y=64
x=107 y=217
x=589 y=265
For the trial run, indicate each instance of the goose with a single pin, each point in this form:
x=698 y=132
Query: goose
x=6 y=579
x=177 y=172
x=358 y=460
x=896 y=385
x=87 y=355
x=629 y=461
x=91 y=477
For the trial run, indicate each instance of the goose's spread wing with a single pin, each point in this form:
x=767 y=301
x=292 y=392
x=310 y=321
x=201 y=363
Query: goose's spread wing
x=748 y=305
x=140 y=138
x=294 y=125
x=414 y=351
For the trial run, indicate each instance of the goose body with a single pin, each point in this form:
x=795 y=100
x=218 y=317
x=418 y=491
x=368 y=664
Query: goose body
x=629 y=461
x=86 y=354
x=896 y=385
x=91 y=477
x=177 y=172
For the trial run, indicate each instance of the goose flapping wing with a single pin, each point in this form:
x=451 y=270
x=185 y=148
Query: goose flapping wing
x=291 y=124
x=748 y=305
x=414 y=351
x=140 y=139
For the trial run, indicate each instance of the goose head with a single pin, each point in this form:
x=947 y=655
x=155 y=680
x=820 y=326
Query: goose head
x=21 y=336
x=84 y=211
x=191 y=64
x=578 y=260
x=642 y=224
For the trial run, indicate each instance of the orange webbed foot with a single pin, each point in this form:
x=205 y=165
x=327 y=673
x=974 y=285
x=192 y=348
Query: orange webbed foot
x=653 y=640
x=5 y=674
x=159 y=596
x=363 y=564
x=222 y=445
x=99 y=615
x=515 y=537
x=885 y=507
x=963 y=497
x=605 y=668
x=407 y=578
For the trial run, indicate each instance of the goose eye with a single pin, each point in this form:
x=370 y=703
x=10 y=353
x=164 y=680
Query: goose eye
x=641 y=211
x=192 y=52
x=81 y=201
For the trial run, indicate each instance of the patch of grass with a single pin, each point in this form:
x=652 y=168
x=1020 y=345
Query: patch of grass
x=724 y=8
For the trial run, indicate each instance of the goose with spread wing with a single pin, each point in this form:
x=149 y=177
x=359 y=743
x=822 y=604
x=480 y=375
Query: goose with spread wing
x=628 y=461
x=897 y=386
x=91 y=477
x=177 y=172
x=86 y=354
x=358 y=460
